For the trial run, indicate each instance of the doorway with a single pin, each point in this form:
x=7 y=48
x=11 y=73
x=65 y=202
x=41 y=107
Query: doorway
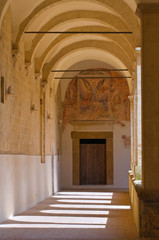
x=92 y=161
x=102 y=140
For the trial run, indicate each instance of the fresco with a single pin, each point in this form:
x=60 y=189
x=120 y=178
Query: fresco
x=126 y=140
x=97 y=99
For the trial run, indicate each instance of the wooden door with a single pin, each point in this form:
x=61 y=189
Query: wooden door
x=92 y=161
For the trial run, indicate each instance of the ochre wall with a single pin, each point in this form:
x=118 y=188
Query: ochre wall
x=19 y=125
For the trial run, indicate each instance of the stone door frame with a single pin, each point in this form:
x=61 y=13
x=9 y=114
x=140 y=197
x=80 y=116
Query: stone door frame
x=76 y=136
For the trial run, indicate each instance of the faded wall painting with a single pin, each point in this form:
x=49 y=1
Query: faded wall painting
x=90 y=98
x=126 y=140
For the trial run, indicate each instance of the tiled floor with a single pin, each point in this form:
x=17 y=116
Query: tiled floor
x=76 y=215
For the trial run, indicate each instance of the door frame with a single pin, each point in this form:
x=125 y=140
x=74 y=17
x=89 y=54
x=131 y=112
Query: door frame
x=76 y=136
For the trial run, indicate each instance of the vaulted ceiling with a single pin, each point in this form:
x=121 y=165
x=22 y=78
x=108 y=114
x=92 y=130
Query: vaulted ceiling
x=64 y=51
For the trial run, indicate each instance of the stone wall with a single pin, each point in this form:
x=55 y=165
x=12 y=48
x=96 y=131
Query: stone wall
x=20 y=113
x=19 y=125
x=135 y=203
x=24 y=180
x=145 y=206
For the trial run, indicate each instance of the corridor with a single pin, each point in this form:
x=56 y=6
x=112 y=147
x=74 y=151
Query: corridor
x=77 y=215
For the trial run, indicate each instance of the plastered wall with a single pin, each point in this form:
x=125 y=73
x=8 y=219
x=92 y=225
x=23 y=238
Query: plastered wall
x=24 y=181
x=92 y=104
x=121 y=153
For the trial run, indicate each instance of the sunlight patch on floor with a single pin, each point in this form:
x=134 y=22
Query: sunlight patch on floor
x=119 y=207
x=51 y=226
x=83 y=197
x=87 y=193
x=78 y=212
x=84 y=201
x=73 y=215
x=60 y=219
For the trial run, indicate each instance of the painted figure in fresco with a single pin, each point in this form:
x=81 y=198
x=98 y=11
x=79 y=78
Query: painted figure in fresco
x=93 y=99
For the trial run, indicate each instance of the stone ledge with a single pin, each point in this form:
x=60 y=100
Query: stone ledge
x=148 y=211
x=91 y=122
x=144 y=195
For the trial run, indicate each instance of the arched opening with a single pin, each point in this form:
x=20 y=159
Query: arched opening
x=96 y=100
x=65 y=121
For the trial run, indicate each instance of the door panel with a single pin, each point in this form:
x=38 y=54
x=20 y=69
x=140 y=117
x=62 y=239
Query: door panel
x=92 y=161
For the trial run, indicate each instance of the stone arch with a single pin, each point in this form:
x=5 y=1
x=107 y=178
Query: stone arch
x=119 y=9
x=3 y=8
x=105 y=18
x=106 y=46
x=68 y=60
x=126 y=45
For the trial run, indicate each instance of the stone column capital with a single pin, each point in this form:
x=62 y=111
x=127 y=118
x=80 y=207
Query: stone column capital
x=138 y=50
x=28 y=66
x=147 y=8
x=15 y=55
x=38 y=76
x=43 y=83
x=131 y=97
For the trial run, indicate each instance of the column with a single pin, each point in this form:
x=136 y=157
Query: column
x=132 y=163
x=135 y=119
x=149 y=14
x=42 y=122
x=138 y=116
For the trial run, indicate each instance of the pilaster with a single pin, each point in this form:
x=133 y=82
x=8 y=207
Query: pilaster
x=42 y=121
x=138 y=116
x=146 y=192
x=131 y=99
x=149 y=14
